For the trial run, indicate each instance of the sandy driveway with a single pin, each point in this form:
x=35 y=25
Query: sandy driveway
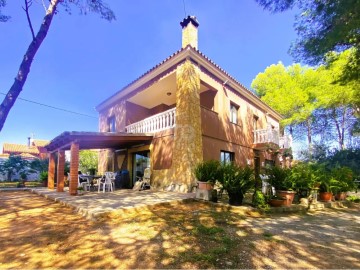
x=38 y=233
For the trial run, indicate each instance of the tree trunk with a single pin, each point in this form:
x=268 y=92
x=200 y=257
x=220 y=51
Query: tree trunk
x=25 y=65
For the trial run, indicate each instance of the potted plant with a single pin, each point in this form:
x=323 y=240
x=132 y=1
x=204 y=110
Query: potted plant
x=236 y=181
x=280 y=179
x=345 y=182
x=80 y=190
x=206 y=173
x=276 y=201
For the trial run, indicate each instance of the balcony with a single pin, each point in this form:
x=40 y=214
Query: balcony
x=155 y=123
x=267 y=137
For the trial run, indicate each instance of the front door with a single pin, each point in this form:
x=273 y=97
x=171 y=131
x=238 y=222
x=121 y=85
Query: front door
x=141 y=160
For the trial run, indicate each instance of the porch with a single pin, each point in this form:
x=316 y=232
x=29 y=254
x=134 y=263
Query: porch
x=75 y=141
x=94 y=204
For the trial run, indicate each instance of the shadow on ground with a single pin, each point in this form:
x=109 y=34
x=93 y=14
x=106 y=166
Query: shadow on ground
x=38 y=233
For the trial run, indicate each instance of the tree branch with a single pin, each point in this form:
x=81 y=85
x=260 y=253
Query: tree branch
x=25 y=65
x=28 y=4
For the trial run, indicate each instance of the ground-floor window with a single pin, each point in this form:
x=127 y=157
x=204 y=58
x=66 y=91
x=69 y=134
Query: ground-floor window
x=269 y=163
x=226 y=157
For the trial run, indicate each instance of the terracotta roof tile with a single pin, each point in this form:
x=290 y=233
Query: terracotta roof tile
x=40 y=142
x=19 y=148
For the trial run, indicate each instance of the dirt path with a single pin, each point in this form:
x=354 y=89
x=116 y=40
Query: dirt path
x=38 y=233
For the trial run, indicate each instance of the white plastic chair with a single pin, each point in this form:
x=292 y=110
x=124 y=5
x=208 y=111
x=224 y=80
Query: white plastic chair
x=108 y=182
x=143 y=182
x=84 y=185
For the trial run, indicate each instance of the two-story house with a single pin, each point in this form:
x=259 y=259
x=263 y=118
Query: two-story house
x=184 y=110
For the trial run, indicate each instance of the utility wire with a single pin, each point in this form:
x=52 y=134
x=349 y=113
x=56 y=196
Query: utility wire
x=52 y=107
x=184 y=8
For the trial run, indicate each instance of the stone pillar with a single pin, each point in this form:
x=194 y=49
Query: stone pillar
x=188 y=138
x=51 y=171
x=60 y=171
x=74 y=168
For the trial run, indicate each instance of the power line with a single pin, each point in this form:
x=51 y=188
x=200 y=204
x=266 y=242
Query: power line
x=184 y=8
x=52 y=107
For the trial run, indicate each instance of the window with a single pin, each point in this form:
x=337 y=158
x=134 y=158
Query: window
x=226 y=157
x=255 y=122
x=111 y=124
x=234 y=113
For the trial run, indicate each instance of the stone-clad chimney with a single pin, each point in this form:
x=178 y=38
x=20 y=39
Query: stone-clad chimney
x=190 y=32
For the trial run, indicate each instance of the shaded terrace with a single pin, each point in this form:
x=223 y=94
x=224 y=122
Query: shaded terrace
x=75 y=141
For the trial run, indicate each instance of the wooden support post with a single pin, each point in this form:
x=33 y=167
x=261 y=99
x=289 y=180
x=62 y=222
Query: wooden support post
x=74 y=168
x=60 y=171
x=51 y=171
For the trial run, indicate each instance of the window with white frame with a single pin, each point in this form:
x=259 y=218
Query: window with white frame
x=234 y=113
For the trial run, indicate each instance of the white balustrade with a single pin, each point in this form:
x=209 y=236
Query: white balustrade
x=155 y=123
x=272 y=136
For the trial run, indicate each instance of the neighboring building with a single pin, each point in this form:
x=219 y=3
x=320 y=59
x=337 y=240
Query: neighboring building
x=195 y=111
x=34 y=149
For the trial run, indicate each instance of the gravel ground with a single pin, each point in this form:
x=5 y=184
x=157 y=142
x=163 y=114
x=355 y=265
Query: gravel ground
x=38 y=233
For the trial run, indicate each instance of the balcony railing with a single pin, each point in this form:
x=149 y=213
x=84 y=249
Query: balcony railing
x=266 y=136
x=155 y=123
x=285 y=141
x=272 y=136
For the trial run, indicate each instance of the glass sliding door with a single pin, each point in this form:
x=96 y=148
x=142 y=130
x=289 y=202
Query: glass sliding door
x=141 y=160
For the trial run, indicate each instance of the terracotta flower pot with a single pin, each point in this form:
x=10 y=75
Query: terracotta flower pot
x=205 y=185
x=341 y=196
x=287 y=195
x=325 y=196
x=277 y=202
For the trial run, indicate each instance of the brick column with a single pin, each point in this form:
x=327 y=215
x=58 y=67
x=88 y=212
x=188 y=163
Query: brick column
x=60 y=171
x=74 y=168
x=188 y=137
x=51 y=171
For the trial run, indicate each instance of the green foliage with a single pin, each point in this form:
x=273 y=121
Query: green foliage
x=90 y=6
x=39 y=165
x=14 y=164
x=3 y=18
x=280 y=178
x=208 y=171
x=344 y=179
x=353 y=198
x=322 y=26
x=236 y=179
x=259 y=200
x=43 y=176
x=88 y=160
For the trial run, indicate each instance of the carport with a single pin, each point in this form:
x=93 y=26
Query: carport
x=75 y=141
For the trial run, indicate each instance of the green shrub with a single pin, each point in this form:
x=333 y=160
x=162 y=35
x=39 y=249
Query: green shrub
x=208 y=171
x=343 y=177
x=236 y=181
x=353 y=198
x=280 y=178
x=259 y=200
x=43 y=176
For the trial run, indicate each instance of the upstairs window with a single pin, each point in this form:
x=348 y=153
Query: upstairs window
x=255 y=122
x=111 y=124
x=226 y=157
x=234 y=113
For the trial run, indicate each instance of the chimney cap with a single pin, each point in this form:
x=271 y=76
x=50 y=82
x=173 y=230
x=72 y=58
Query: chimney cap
x=189 y=19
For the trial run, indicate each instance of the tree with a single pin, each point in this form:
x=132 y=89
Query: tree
x=336 y=99
x=323 y=26
x=97 y=6
x=88 y=160
x=290 y=91
x=13 y=165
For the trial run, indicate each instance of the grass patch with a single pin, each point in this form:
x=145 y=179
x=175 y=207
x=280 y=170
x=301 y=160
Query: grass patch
x=201 y=229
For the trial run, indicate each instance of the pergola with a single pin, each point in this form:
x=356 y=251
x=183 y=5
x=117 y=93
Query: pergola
x=75 y=141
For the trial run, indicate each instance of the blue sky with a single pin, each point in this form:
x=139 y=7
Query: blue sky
x=85 y=59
